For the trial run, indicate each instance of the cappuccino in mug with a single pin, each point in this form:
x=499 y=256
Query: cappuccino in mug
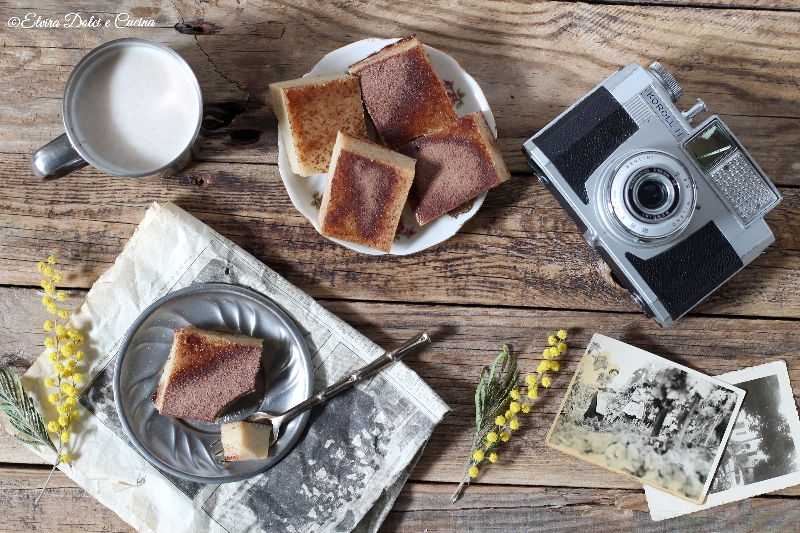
x=132 y=107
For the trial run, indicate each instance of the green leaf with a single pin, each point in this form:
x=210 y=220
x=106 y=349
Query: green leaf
x=22 y=412
x=480 y=399
x=493 y=393
x=28 y=441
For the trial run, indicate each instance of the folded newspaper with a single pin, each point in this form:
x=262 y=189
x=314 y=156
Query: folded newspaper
x=350 y=463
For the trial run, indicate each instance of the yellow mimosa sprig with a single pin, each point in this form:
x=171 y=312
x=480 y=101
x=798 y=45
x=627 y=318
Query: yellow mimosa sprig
x=63 y=353
x=496 y=424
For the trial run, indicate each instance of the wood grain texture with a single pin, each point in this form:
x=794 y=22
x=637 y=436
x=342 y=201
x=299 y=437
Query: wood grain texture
x=781 y=5
x=423 y=507
x=519 y=250
x=12 y=451
x=64 y=508
x=537 y=59
x=465 y=338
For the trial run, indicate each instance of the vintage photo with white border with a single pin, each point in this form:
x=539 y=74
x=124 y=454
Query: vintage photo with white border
x=646 y=417
x=762 y=452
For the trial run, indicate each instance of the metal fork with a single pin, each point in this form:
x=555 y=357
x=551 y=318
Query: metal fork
x=276 y=421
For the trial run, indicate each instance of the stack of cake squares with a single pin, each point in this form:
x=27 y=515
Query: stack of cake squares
x=427 y=154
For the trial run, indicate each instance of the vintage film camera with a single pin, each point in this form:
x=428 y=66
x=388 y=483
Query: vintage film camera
x=674 y=210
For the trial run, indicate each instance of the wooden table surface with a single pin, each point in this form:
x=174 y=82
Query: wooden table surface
x=516 y=271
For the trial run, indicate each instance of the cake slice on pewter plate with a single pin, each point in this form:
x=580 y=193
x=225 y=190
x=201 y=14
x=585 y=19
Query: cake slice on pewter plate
x=310 y=111
x=365 y=193
x=454 y=165
x=402 y=93
x=205 y=372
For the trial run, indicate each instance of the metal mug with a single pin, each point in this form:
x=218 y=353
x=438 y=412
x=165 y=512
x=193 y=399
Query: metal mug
x=66 y=153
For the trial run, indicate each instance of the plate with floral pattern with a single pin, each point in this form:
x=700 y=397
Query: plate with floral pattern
x=466 y=97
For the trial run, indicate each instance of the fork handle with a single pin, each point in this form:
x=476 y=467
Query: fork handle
x=357 y=376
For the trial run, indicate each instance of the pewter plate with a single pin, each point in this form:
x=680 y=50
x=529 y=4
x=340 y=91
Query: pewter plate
x=181 y=446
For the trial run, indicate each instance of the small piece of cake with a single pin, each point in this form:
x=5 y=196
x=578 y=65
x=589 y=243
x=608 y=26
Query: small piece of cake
x=402 y=93
x=310 y=111
x=454 y=165
x=365 y=193
x=245 y=441
x=205 y=372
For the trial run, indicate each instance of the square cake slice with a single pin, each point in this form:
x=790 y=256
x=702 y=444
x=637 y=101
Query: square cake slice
x=454 y=165
x=205 y=372
x=402 y=93
x=365 y=193
x=245 y=441
x=310 y=111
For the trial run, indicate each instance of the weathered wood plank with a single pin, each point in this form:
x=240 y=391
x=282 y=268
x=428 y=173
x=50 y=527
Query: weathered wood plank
x=12 y=451
x=468 y=337
x=784 y=5
x=519 y=250
x=538 y=59
x=63 y=507
x=423 y=507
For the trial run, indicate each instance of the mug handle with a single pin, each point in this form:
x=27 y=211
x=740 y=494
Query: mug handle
x=56 y=158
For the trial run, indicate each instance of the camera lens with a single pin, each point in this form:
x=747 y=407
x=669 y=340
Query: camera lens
x=652 y=194
x=648 y=195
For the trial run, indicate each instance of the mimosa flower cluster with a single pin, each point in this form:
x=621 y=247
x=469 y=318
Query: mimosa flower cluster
x=64 y=355
x=499 y=402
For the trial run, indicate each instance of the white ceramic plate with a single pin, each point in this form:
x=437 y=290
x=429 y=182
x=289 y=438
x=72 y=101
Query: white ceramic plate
x=466 y=96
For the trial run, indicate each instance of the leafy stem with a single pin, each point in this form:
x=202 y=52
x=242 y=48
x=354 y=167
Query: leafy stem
x=498 y=403
x=25 y=418
x=19 y=407
x=491 y=400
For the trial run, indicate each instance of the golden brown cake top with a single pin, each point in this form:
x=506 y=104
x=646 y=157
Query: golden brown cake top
x=207 y=373
x=368 y=186
x=316 y=110
x=361 y=191
x=402 y=93
x=454 y=164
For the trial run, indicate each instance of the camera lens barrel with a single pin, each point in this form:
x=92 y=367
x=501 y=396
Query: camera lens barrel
x=650 y=195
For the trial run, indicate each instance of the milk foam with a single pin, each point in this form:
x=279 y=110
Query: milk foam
x=134 y=110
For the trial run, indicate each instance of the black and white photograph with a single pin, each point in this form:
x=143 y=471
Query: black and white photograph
x=762 y=452
x=644 y=416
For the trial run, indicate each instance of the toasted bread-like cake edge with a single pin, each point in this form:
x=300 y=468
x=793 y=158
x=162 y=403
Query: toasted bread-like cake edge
x=405 y=166
x=277 y=92
x=309 y=80
x=491 y=144
x=223 y=335
x=326 y=195
x=376 y=152
x=160 y=396
x=279 y=106
x=402 y=45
